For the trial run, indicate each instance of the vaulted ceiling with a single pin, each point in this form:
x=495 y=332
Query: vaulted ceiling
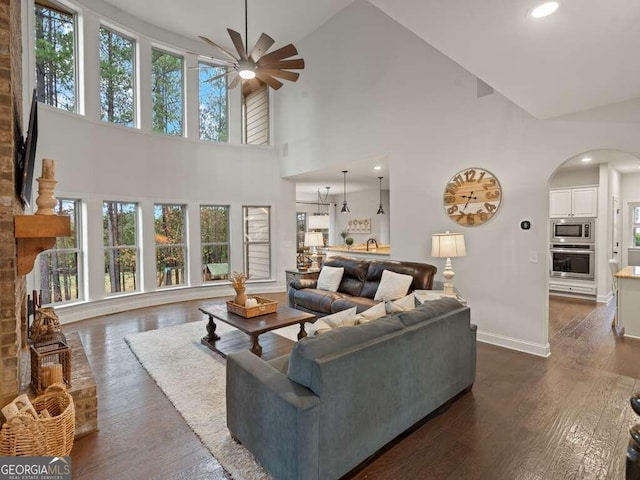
x=582 y=57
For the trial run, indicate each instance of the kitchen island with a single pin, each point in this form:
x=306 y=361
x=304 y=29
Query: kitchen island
x=358 y=251
x=629 y=300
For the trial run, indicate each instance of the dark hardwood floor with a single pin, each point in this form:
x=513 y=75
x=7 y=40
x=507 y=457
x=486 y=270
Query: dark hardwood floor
x=530 y=418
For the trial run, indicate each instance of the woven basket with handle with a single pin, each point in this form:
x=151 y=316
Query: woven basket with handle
x=50 y=435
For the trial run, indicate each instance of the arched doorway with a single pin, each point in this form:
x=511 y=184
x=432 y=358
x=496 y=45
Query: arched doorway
x=591 y=198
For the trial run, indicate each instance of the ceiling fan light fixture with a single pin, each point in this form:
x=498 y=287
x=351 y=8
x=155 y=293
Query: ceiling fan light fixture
x=544 y=9
x=246 y=70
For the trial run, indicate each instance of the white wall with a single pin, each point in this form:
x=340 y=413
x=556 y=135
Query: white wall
x=363 y=204
x=372 y=87
x=576 y=177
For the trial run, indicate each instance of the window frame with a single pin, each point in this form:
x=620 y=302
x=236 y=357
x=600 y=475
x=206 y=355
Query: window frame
x=134 y=74
x=136 y=246
x=215 y=244
x=183 y=92
x=77 y=221
x=184 y=245
x=246 y=243
x=634 y=225
x=227 y=110
x=64 y=8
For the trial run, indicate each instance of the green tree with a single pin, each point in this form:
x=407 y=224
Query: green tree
x=213 y=106
x=170 y=250
x=167 y=92
x=55 y=57
x=116 y=77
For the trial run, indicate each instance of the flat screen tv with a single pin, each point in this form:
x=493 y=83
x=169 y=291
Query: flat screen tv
x=26 y=165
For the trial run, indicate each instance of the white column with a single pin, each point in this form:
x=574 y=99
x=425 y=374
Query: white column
x=94 y=250
x=192 y=121
x=143 y=80
x=89 y=65
x=147 y=243
x=193 y=244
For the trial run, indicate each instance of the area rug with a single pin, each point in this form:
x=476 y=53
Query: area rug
x=171 y=355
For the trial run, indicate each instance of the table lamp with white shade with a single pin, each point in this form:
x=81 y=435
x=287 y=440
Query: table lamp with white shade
x=448 y=245
x=314 y=240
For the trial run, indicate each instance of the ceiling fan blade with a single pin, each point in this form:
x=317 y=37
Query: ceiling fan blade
x=234 y=83
x=213 y=79
x=283 y=52
x=218 y=47
x=217 y=62
x=236 y=38
x=262 y=45
x=297 y=63
x=269 y=80
x=291 y=76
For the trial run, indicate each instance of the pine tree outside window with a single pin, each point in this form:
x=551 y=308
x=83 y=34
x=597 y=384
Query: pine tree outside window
x=171 y=249
x=214 y=241
x=119 y=221
x=167 y=90
x=55 y=44
x=117 y=66
x=59 y=274
x=213 y=103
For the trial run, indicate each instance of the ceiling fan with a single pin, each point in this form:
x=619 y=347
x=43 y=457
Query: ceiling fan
x=257 y=66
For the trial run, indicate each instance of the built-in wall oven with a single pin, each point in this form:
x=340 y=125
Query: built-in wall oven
x=572 y=230
x=572 y=260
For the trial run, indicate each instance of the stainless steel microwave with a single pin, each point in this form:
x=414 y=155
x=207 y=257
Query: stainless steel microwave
x=573 y=230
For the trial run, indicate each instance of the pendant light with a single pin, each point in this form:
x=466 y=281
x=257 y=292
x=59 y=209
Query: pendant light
x=345 y=208
x=380 y=209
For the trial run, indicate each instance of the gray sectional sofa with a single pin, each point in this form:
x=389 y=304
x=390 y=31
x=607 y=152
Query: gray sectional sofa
x=339 y=397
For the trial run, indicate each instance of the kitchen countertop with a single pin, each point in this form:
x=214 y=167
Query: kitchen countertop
x=360 y=249
x=629 y=272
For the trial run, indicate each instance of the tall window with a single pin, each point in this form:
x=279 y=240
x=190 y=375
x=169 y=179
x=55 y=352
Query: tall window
x=170 y=244
x=167 y=78
x=255 y=117
x=59 y=269
x=116 y=78
x=636 y=225
x=55 y=55
x=213 y=103
x=214 y=240
x=257 y=241
x=119 y=222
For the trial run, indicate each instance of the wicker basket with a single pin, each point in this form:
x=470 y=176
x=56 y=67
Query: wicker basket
x=264 y=307
x=51 y=436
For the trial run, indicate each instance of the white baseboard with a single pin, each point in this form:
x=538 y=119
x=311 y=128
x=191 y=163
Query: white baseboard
x=537 y=349
x=604 y=298
x=85 y=310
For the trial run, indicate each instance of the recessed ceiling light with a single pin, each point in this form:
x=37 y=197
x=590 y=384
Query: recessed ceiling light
x=587 y=159
x=544 y=9
x=377 y=167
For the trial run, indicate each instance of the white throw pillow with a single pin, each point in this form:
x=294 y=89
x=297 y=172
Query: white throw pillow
x=404 y=304
x=345 y=318
x=330 y=278
x=392 y=286
x=372 y=313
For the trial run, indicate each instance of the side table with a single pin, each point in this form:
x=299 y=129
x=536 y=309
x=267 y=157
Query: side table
x=428 y=295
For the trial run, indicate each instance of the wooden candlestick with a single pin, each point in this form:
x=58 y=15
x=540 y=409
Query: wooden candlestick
x=48 y=169
x=46 y=201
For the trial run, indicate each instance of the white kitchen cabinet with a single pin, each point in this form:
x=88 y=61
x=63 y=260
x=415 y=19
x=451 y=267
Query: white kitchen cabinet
x=573 y=202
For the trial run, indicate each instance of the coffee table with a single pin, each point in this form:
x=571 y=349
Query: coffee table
x=249 y=329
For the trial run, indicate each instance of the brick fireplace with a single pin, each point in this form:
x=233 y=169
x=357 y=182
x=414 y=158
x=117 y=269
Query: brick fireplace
x=12 y=286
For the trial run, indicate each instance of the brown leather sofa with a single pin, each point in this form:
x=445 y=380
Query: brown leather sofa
x=358 y=286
